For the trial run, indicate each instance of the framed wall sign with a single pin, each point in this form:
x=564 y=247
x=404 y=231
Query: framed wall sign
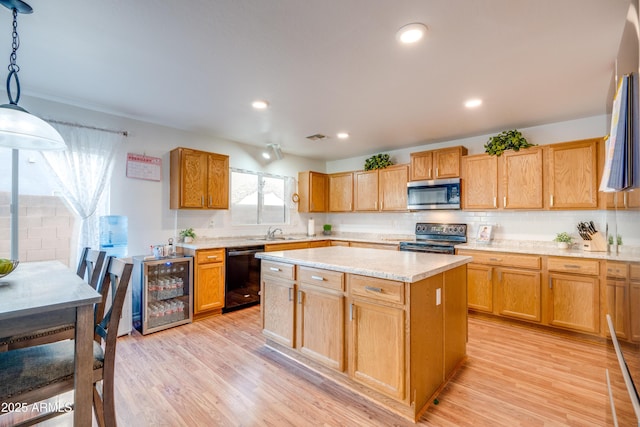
x=140 y=166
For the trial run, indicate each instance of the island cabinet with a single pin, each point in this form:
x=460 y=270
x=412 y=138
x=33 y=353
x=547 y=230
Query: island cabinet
x=208 y=289
x=436 y=164
x=198 y=180
x=574 y=293
x=395 y=342
x=313 y=192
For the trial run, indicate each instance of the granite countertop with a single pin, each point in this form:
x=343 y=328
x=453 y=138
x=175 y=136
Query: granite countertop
x=625 y=254
x=394 y=265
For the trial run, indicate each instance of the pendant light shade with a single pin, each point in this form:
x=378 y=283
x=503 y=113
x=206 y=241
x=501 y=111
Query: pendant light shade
x=24 y=131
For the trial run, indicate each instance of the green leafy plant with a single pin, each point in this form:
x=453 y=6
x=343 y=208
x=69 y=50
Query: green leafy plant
x=618 y=240
x=326 y=227
x=507 y=140
x=377 y=161
x=563 y=238
x=188 y=233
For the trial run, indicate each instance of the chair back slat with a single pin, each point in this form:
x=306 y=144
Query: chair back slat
x=113 y=289
x=90 y=266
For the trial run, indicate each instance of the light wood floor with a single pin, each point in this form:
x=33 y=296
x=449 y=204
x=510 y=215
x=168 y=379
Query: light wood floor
x=217 y=372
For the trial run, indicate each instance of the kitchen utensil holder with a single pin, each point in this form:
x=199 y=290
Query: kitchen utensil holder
x=596 y=244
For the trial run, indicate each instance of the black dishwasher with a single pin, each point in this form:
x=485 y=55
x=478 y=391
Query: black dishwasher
x=242 y=278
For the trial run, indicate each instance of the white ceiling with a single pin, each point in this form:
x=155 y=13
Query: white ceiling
x=325 y=66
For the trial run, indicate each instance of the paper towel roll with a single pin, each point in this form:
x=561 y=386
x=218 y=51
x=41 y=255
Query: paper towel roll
x=311 y=228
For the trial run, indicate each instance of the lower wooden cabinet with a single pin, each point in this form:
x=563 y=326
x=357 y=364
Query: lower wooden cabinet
x=480 y=287
x=377 y=347
x=277 y=294
x=208 y=289
x=518 y=293
x=574 y=302
x=634 y=303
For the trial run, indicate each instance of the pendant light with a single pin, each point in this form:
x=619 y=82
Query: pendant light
x=18 y=128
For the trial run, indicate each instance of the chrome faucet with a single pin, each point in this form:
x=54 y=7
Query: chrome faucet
x=271 y=234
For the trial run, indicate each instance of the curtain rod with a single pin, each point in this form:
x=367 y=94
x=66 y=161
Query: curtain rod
x=122 y=132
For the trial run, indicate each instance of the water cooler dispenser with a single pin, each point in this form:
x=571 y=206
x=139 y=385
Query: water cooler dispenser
x=114 y=231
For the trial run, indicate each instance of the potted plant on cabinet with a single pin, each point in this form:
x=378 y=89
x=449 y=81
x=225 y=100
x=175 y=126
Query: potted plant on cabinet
x=563 y=239
x=187 y=235
x=507 y=140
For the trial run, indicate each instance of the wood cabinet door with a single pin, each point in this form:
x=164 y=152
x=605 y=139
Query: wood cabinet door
x=217 y=181
x=632 y=200
x=193 y=170
x=341 y=192
x=634 y=311
x=392 y=188
x=618 y=307
x=421 y=166
x=480 y=287
x=278 y=310
x=318 y=192
x=365 y=190
x=480 y=182
x=447 y=162
x=519 y=294
x=320 y=325
x=209 y=290
x=573 y=175
x=522 y=179
x=574 y=302
x=377 y=347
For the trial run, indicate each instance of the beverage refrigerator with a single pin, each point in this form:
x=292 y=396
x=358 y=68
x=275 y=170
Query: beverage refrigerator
x=162 y=292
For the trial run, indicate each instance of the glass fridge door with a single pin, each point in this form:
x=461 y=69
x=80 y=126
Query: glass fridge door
x=167 y=295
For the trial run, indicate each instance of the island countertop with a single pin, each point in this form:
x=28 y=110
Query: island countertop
x=393 y=265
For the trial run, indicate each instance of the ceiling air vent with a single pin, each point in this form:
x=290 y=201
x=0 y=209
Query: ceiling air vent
x=317 y=137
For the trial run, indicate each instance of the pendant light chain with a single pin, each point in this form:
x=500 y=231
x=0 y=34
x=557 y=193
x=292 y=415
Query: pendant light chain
x=13 y=67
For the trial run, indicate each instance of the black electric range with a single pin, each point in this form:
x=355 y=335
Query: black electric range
x=436 y=238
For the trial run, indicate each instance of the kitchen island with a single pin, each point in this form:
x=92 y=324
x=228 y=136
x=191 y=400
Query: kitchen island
x=391 y=326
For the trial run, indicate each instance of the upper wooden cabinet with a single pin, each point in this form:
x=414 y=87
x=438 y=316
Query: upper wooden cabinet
x=341 y=192
x=436 y=164
x=198 y=180
x=572 y=174
x=365 y=190
x=392 y=188
x=381 y=189
x=522 y=179
x=313 y=191
x=480 y=182
x=511 y=181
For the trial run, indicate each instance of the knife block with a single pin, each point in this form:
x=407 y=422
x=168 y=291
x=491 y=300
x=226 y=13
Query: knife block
x=596 y=244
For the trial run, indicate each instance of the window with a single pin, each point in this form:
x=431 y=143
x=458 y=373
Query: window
x=258 y=198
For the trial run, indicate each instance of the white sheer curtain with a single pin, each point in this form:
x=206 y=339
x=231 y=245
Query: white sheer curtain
x=83 y=172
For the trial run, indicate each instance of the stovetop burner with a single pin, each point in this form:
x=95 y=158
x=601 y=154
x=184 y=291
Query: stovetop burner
x=436 y=238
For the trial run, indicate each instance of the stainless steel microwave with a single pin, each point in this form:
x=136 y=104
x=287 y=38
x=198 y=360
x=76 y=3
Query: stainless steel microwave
x=434 y=194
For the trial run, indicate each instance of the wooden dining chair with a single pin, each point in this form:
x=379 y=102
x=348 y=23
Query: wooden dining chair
x=33 y=374
x=89 y=268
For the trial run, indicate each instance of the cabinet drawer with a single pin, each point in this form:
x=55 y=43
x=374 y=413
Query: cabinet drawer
x=324 y=278
x=380 y=289
x=500 y=258
x=617 y=270
x=634 y=271
x=278 y=269
x=209 y=255
x=574 y=265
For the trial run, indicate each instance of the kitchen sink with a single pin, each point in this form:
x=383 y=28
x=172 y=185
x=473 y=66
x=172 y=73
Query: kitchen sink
x=275 y=239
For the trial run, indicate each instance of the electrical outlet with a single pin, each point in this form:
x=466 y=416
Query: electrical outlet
x=438 y=296
x=212 y=223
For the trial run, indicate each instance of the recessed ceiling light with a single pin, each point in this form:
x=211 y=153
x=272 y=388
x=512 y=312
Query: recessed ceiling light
x=343 y=135
x=260 y=104
x=266 y=155
x=411 y=33
x=473 y=103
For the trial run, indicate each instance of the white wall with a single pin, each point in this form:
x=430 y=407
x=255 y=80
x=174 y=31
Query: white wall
x=146 y=203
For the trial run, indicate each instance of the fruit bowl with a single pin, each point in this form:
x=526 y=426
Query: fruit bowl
x=7 y=266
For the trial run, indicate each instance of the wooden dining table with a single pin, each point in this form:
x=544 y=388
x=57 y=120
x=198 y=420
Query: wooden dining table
x=38 y=295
